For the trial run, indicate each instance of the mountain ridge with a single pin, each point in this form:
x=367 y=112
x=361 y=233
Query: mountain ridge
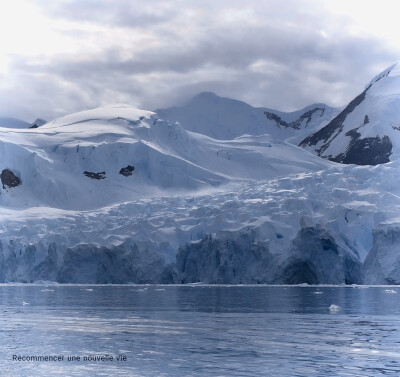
x=226 y=118
x=366 y=131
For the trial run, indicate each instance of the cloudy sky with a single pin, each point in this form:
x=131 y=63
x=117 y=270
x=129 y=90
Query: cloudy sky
x=61 y=56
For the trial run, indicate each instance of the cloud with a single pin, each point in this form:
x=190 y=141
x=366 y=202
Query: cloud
x=283 y=56
x=121 y=13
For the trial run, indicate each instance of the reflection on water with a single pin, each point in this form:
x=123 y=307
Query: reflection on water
x=201 y=330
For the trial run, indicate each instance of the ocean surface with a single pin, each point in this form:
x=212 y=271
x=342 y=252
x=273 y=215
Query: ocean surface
x=197 y=330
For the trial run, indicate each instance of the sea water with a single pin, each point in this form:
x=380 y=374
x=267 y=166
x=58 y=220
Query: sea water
x=199 y=330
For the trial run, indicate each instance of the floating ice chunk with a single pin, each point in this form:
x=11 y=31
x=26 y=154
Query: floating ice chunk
x=318 y=292
x=334 y=308
x=390 y=291
x=46 y=282
x=25 y=303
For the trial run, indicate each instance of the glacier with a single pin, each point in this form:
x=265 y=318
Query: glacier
x=285 y=230
x=121 y=195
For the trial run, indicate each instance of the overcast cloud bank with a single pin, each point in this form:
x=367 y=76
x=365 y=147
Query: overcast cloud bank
x=71 y=55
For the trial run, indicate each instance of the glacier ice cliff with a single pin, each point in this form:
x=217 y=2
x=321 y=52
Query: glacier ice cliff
x=382 y=265
x=307 y=228
x=225 y=258
x=316 y=258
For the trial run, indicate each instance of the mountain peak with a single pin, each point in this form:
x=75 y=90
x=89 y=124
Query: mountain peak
x=225 y=118
x=38 y=123
x=202 y=95
x=366 y=132
x=106 y=114
x=393 y=71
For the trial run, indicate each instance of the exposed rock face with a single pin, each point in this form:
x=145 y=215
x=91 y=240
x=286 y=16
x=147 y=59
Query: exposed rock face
x=367 y=151
x=9 y=179
x=38 y=123
x=228 y=260
x=297 y=123
x=278 y=120
x=126 y=172
x=317 y=259
x=101 y=175
x=383 y=75
x=354 y=137
x=334 y=126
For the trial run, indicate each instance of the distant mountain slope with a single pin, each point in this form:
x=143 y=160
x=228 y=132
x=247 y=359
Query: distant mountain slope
x=225 y=118
x=6 y=122
x=367 y=130
x=38 y=123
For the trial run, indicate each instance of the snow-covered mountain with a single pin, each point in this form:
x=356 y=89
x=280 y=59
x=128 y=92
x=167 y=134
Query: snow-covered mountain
x=38 y=123
x=367 y=130
x=149 y=181
x=6 y=122
x=107 y=155
x=226 y=118
x=119 y=195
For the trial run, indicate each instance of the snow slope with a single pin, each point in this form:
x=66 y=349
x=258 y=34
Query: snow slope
x=367 y=131
x=13 y=123
x=225 y=118
x=75 y=162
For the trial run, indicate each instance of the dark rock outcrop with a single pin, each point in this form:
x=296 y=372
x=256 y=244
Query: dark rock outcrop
x=9 y=179
x=367 y=151
x=382 y=76
x=335 y=126
x=127 y=171
x=38 y=123
x=100 y=175
x=297 y=123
